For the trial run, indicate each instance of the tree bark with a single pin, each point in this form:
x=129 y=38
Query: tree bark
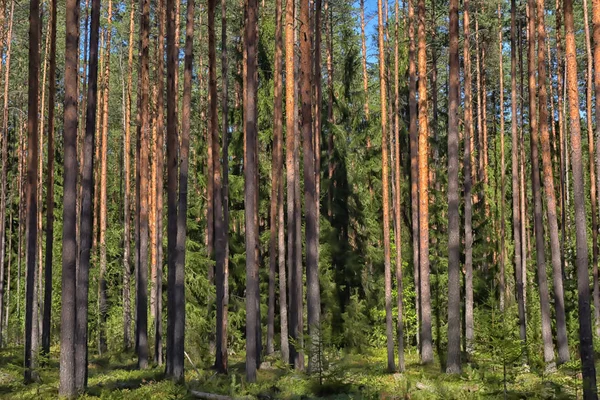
x=277 y=198
x=32 y=195
x=250 y=185
x=596 y=27
x=50 y=174
x=515 y=174
x=414 y=159
x=502 y=292
x=559 y=302
x=453 y=365
x=398 y=199
x=426 y=338
x=68 y=361
x=586 y=349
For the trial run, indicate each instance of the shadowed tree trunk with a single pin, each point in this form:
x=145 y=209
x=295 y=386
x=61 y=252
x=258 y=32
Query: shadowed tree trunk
x=536 y=192
x=159 y=160
x=559 y=303
x=277 y=198
x=68 y=360
x=32 y=195
x=502 y=279
x=586 y=348
x=586 y=351
x=468 y=181
x=50 y=175
x=398 y=198
x=386 y=195
x=127 y=195
x=365 y=76
x=515 y=172
x=453 y=362
x=86 y=229
x=250 y=185
x=141 y=325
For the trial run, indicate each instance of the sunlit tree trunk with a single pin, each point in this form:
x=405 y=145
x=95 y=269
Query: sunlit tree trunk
x=426 y=338
x=559 y=303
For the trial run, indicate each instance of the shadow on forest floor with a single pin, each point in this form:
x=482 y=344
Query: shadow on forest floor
x=346 y=376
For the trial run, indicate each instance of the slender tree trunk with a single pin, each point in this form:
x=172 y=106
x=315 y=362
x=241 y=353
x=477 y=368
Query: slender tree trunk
x=535 y=188
x=276 y=199
x=593 y=193
x=127 y=196
x=596 y=27
x=468 y=181
x=559 y=303
x=586 y=348
x=159 y=160
x=172 y=182
x=453 y=363
x=313 y=296
x=32 y=196
x=330 y=94
x=143 y=140
x=86 y=230
x=102 y=285
x=414 y=156
x=217 y=199
x=562 y=139
x=502 y=278
x=4 y=177
x=50 y=175
x=426 y=339
x=251 y=171
x=515 y=174
x=398 y=199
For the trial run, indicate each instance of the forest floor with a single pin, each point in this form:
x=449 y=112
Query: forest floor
x=357 y=376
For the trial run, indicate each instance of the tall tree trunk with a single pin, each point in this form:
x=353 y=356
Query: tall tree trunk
x=535 y=188
x=586 y=349
x=559 y=302
x=32 y=195
x=277 y=194
x=4 y=177
x=50 y=174
x=68 y=360
x=515 y=173
x=127 y=195
x=86 y=229
x=313 y=296
x=453 y=363
x=414 y=159
x=386 y=195
x=398 y=199
x=251 y=171
x=172 y=182
x=502 y=278
x=468 y=182
x=330 y=94
x=217 y=199
x=159 y=162
x=562 y=139
x=426 y=339
x=102 y=285
x=593 y=193
x=596 y=22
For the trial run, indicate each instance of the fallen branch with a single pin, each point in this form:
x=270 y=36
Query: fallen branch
x=209 y=396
